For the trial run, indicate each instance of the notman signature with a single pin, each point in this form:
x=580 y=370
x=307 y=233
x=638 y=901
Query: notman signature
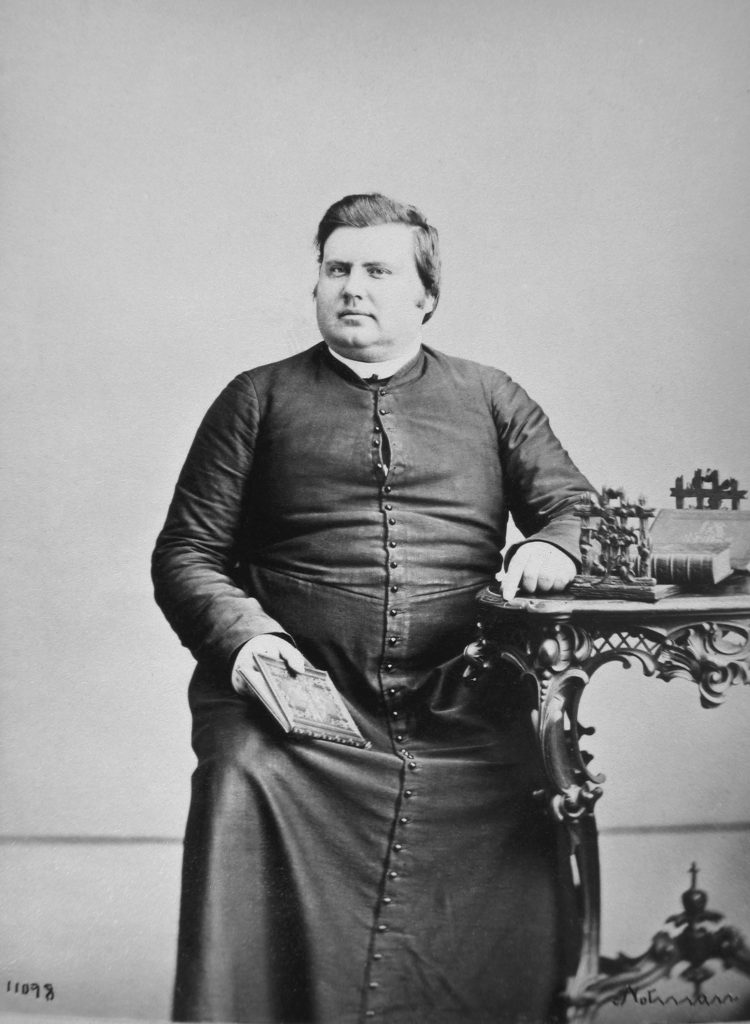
x=651 y=998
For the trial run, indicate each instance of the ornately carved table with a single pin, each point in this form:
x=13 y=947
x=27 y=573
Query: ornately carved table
x=557 y=644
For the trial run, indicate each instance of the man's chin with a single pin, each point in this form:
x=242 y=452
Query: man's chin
x=352 y=343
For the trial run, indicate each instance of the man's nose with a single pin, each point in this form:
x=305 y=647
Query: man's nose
x=354 y=282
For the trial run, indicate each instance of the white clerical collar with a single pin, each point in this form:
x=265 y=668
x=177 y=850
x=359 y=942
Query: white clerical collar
x=380 y=370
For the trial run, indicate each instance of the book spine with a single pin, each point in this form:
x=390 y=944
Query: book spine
x=349 y=741
x=696 y=568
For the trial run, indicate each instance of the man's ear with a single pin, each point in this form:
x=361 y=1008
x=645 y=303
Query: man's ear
x=427 y=304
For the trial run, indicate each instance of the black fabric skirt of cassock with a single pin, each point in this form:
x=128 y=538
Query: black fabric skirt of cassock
x=315 y=890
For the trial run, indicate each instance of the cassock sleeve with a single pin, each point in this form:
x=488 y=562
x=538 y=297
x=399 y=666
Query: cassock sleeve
x=194 y=565
x=542 y=483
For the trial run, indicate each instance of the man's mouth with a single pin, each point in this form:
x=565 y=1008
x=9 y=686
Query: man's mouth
x=353 y=312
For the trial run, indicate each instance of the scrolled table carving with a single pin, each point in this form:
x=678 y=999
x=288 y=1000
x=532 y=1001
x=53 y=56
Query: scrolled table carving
x=714 y=655
x=556 y=645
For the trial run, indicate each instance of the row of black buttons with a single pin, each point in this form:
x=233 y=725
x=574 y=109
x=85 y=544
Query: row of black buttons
x=392 y=696
x=392 y=875
x=392 y=639
x=377 y=440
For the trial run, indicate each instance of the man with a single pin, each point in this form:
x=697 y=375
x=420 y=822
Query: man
x=345 y=506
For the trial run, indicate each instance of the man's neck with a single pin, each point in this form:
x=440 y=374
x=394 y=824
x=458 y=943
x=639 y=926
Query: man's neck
x=382 y=368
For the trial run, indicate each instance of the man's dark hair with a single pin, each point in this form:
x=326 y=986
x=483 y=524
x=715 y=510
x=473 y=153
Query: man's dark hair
x=367 y=210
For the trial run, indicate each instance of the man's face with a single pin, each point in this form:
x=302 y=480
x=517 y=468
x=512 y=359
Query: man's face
x=369 y=299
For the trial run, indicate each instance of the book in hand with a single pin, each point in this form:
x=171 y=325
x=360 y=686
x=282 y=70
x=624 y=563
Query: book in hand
x=304 y=703
x=691 y=565
x=680 y=527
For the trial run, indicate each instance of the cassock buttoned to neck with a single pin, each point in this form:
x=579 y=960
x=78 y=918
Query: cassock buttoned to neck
x=375 y=576
x=381 y=370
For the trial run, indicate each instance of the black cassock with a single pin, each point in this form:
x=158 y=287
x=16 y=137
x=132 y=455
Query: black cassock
x=416 y=881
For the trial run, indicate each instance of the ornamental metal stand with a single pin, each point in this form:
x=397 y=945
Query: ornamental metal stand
x=707 y=491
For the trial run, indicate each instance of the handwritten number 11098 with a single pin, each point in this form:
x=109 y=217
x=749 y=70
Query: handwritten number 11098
x=31 y=989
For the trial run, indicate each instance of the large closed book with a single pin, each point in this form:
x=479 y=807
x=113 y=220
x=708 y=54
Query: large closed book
x=673 y=527
x=698 y=565
x=304 y=703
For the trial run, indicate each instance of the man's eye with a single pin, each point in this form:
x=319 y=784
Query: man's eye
x=378 y=271
x=336 y=271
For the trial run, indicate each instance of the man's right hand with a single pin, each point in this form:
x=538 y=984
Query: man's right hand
x=537 y=567
x=272 y=646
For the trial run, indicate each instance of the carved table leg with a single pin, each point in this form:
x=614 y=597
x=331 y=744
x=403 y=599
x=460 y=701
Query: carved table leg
x=552 y=662
x=585 y=849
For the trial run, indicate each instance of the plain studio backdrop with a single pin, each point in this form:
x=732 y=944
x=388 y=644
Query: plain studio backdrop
x=164 y=166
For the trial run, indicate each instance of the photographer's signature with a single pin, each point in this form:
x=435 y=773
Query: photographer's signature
x=650 y=997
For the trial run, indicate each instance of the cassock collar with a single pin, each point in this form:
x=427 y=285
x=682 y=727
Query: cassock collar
x=413 y=368
x=382 y=370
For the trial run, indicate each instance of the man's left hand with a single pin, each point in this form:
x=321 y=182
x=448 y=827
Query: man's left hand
x=537 y=567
